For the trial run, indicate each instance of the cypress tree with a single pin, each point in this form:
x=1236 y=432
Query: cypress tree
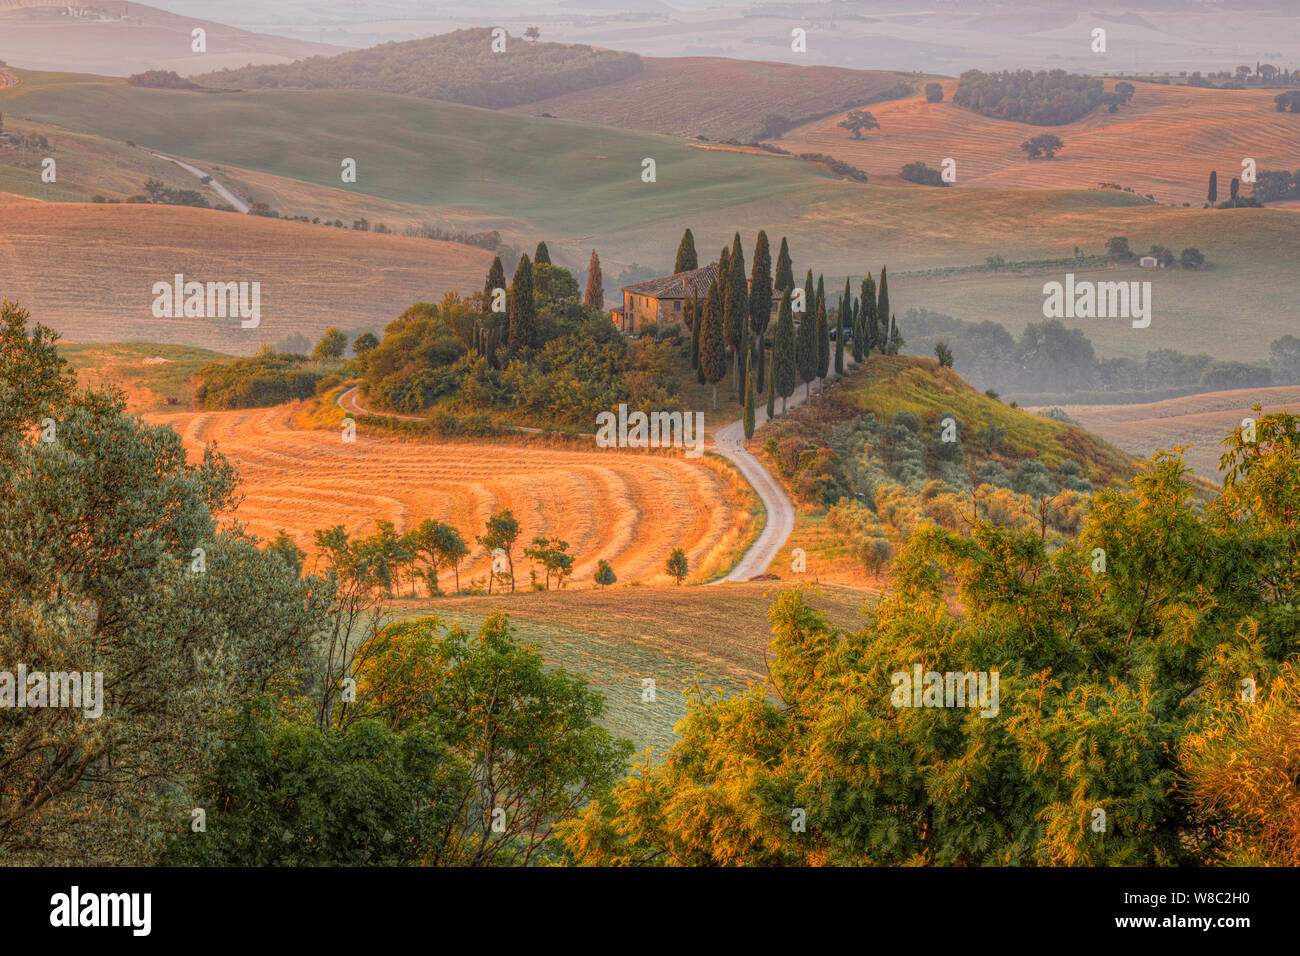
x=736 y=309
x=784 y=269
x=760 y=301
x=896 y=341
x=713 y=348
x=724 y=268
x=749 y=396
x=857 y=331
x=868 y=320
x=823 y=346
x=696 y=321
x=686 y=257
x=845 y=311
x=784 y=360
x=882 y=311
x=1213 y=195
x=496 y=279
x=542 y=254
x=595 y=294
x=523 y=308
x=771 y=391
x=805 y=348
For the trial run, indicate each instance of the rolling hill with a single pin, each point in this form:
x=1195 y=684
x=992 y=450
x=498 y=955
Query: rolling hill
x=87 y=271
x=1164 y=143
x=119 y=38
x=720 y=98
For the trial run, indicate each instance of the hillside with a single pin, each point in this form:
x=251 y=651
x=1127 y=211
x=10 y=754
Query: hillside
x=721 y=99
x=1164 y=142
x=461 y=67
x=119 y=38
x=1200 y=421
x=869 y=461
x=97 y=288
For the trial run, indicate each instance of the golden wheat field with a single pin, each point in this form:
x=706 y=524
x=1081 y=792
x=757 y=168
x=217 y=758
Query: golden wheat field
x=87 y=271
x=1164 y=143
x=628 y=509
x=1201 y=421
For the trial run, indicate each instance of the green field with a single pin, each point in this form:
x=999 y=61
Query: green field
x=620 y=636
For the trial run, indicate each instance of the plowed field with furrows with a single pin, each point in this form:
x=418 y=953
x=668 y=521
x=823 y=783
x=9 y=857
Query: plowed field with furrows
x=629 y=509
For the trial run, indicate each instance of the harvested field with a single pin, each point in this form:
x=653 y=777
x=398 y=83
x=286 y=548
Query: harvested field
x=87 y=271
x=1165 y=142
x=629 y=509
x=1202 y=421
x=716 y=97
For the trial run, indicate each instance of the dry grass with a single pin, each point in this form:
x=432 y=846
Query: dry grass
x=716 y=97
x=629 y=509
x=1202 y=421
x=87 y=271
x=1164 y=143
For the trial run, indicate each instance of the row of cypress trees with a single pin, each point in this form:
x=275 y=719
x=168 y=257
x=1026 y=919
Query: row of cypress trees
x=735 y=313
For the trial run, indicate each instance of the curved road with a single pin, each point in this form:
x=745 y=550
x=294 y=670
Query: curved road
x=212 y=183
x=729 y=441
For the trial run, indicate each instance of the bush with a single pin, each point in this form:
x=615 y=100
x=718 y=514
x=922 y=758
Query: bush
x=920 y=173
x=934 y=93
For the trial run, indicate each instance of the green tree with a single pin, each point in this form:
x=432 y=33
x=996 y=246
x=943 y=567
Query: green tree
x=364 y=343
x=784 y=269
x=554 y=557
x=805 y=350
x=760 y=299
x=859 y=353
x=111 y=563
x=686 y=258
x=944 y=354
x=501 y=532
x=331 y=346
x=496 y=279
x=934 y=93
x=771 y=387
x=843 y=317
x=749 y=396
x=823 y=340
x=542 y=255
x=882 y=312
x=857 y=121
x=736 y=309
x=867 y=318
x=604 y=574
x=1213 y=194
x=713 y=346
x=676 y=567
x=523 y=308
x=1044 y=144
x=594 y=297
x=287 y=550
x=785 y=360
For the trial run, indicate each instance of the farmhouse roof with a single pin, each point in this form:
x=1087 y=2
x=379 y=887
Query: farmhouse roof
x=679 y=285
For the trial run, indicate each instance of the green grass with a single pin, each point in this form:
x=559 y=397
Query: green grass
x=122 y=364
x=572 y=177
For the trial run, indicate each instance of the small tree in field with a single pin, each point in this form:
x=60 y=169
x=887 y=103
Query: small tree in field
x=501 y=532
x=605 y=574
x=1045 y=144
x=934 y=93
x=533 y=33
x=677 y=567
x=857 y=121
x=943 y=354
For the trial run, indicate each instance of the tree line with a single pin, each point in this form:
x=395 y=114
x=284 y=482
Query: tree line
x=1044 y=98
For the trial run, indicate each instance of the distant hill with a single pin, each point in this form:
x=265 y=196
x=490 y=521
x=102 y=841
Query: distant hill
x=725 y=99
x=99 y=286
x=459 y=67
x=118 y=38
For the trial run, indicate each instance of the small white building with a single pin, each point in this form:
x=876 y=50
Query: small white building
x=1149 y=262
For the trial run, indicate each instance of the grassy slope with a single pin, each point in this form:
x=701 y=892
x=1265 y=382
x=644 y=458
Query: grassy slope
x=716 y=97
x=146 y=383
x=885 y=385
x=573 y=178
x=619 y=636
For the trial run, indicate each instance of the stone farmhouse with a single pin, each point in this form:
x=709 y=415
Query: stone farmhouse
x=663 y=300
